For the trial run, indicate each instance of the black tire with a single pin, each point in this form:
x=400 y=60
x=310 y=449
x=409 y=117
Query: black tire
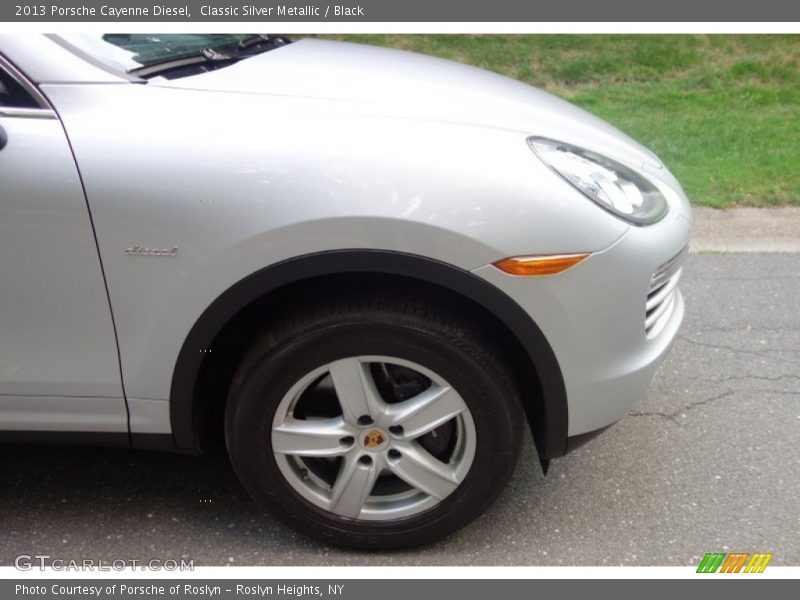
x=403 y=328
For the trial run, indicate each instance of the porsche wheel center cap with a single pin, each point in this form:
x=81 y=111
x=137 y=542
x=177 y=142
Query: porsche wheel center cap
x=374 y=439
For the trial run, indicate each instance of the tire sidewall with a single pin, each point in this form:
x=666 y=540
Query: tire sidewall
x=256 y=395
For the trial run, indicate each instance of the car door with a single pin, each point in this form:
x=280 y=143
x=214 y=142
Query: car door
x=59 y=367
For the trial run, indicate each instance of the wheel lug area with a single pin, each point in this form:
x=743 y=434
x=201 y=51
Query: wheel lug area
x=365 y=420
x=347 y=441
x=394 y=454
x=365 y=460
x=396 y=430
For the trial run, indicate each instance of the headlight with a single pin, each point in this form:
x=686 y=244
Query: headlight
x=611 y=185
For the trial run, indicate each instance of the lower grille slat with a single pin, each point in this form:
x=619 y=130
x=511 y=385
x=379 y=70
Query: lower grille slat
x=658 y=296
x=661 y=295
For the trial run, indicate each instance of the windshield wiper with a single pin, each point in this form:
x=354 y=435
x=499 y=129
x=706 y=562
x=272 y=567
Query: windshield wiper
x=249 y=46
x=207 y=55
x=261 y=39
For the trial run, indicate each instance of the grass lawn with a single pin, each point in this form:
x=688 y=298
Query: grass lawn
x=722 y=111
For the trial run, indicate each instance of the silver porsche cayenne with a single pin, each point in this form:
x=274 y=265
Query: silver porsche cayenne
x=367 y=271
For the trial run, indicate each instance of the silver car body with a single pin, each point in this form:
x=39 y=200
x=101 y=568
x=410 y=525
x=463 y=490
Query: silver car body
x=314 y=147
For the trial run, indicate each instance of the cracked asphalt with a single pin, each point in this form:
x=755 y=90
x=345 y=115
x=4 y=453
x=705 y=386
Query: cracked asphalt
x=709 y=460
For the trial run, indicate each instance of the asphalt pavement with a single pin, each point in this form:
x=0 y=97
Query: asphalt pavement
x=708 y=461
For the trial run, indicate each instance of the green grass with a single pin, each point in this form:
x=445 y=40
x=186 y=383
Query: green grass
x=722 y=111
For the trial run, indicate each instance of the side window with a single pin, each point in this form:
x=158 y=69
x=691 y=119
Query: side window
x=13 y=94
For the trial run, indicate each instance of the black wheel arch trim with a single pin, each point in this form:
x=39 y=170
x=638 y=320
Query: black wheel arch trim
x=550 y=431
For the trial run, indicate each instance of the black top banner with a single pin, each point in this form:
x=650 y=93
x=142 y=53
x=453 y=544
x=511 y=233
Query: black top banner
x=368 y=11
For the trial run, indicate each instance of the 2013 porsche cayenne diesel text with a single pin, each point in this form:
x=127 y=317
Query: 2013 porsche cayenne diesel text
x=367 y=269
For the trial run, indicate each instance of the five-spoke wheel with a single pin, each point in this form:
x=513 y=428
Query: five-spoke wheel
x=385 y=455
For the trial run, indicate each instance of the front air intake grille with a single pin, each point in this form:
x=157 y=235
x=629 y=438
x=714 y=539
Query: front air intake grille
x=662 y=292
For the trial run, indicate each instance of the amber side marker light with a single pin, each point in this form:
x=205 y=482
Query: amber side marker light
x=535 y=266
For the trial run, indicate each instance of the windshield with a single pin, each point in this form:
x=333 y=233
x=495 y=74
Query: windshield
x=129 y=51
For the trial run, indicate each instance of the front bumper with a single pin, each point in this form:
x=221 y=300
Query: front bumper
x=593 y=316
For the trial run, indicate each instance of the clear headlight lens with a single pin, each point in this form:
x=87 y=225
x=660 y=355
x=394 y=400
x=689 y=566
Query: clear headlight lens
x=612 y=185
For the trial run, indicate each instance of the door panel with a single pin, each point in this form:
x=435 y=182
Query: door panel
x=56 y=333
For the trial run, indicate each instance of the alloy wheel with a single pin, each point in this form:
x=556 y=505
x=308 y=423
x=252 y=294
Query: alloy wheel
x=373 y=438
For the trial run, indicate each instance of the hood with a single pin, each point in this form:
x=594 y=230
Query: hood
x=402 y=84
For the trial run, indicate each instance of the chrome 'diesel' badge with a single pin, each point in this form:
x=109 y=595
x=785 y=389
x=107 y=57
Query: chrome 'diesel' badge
x=143 y=251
